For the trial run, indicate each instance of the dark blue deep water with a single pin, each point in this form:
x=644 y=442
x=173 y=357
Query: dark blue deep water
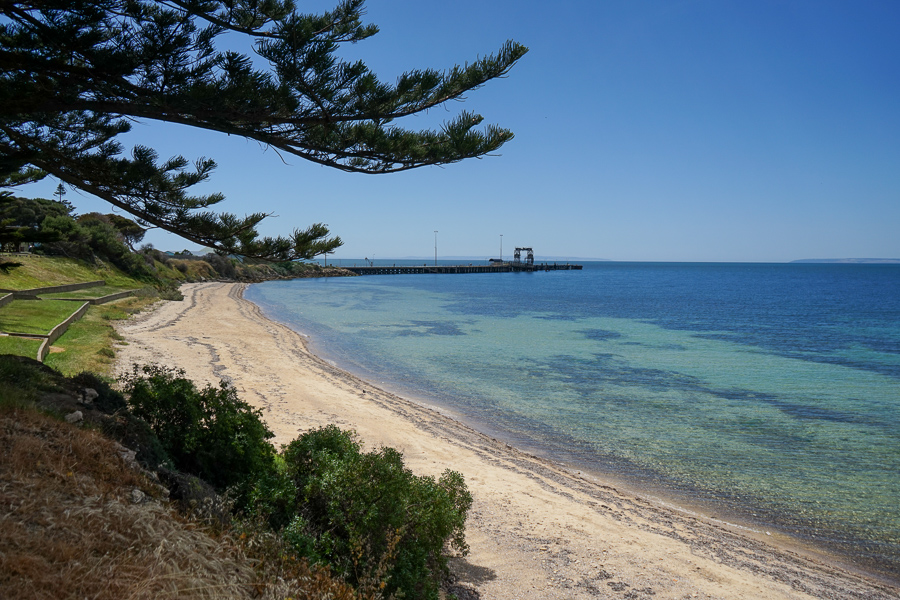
x=766 y=393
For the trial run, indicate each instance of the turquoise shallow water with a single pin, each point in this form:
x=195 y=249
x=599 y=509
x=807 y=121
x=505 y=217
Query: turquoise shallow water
x=768 y=391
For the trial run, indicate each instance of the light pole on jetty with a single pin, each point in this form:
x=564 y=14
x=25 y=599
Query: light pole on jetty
x=501 y=247
x=435 y=247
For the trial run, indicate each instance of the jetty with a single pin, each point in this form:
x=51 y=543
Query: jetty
x=516 y=265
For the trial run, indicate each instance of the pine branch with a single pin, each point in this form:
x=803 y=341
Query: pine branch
x=72 y=75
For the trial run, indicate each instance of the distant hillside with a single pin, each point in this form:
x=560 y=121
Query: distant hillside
x=851 y=261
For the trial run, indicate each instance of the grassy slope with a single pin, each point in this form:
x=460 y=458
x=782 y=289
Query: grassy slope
x=43 y=271
x=73 y=530
x=35 y=316
x=81 y=520
x=19 y=346
x=88 y=345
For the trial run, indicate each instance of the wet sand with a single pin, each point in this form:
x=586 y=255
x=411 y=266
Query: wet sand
x=537 y=529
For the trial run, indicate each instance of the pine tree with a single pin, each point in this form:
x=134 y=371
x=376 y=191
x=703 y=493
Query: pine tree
x=74 y=74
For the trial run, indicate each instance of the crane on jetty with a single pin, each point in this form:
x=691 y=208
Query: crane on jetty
x=529 y=257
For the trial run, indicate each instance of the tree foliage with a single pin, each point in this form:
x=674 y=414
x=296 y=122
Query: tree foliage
x=22 y=219
x=129 y=232
x=210 y=433
x=52 y=228
x=74 y=75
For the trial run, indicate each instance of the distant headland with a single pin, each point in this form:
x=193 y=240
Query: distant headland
x=851 y=261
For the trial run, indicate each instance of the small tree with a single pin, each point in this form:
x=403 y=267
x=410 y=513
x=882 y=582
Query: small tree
x=366 y=514
x=76 y=73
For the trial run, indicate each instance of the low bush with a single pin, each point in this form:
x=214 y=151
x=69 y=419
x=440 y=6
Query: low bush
x=108 y=399
x=209 y=433
x=171 y=292
x=364 y=514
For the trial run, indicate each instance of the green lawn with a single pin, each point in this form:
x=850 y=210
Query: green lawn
x=19 y=346
x=35 y=316
x=89 y=344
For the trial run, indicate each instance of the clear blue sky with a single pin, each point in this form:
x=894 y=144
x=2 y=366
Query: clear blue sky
x=707 y=130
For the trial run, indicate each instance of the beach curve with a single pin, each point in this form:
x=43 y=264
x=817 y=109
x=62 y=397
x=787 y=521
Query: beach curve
x=537 y=529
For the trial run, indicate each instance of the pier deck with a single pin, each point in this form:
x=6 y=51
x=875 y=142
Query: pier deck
x=510 y=267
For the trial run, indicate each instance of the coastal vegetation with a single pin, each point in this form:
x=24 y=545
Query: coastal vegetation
x=320 y=518
x=364 y=516
x=100 y=247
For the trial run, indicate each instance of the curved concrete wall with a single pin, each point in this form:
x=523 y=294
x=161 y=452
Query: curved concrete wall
x=102 y=299
x=60 y=329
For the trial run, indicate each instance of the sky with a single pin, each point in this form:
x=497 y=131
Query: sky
x=645 y=130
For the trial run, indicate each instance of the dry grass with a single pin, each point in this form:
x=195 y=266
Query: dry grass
x=192 y=270
x=69 y=528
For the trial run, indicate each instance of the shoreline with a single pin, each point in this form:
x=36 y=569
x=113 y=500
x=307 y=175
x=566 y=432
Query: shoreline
x=537 y=529
x=681 y=500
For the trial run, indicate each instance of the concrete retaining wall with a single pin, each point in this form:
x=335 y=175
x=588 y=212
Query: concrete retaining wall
x=55 y=289
x=111 y=297
x=4 y=300
x=102 y=299
x=60 y=329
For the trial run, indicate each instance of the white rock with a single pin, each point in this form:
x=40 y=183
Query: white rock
x=74 y=417
x=90 y=394
x=129 y=456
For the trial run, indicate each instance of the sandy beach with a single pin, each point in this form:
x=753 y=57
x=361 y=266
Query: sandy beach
x=537 y=528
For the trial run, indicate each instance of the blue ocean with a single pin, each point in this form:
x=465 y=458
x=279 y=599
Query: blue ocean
x=766 y=394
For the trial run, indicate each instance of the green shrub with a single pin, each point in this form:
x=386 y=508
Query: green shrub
x=209 y=433
x=369 y=517
x=20 y=379
x=108 y=399
x=171 y=292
